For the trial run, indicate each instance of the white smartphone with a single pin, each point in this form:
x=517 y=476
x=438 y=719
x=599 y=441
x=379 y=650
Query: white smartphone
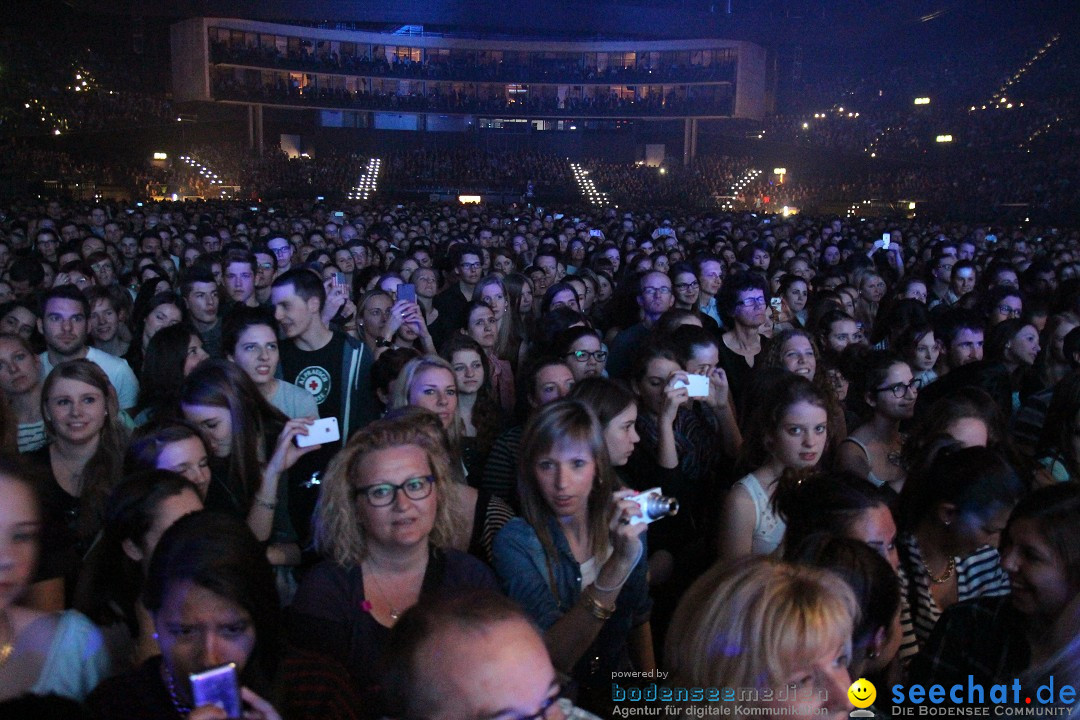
x=696 y=385
x=886 y=241
x=323 y=430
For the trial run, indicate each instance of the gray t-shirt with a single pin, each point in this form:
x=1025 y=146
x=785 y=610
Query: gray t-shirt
x=294 y=401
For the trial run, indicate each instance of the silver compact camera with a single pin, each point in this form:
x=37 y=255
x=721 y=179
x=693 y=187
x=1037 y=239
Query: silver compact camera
x=654 y=505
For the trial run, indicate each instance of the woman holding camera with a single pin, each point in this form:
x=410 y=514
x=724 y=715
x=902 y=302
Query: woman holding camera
x=574 y=558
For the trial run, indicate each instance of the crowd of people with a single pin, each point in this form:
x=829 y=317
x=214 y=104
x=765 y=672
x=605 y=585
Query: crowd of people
x=227 y=83
x=53 y=84
x=449 y=461
x=472 y=66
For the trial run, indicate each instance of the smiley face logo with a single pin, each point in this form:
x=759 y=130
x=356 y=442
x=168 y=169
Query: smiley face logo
x=862 y=693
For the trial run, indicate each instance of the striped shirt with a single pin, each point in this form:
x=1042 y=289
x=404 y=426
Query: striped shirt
x=31 y=436
x=978 y=575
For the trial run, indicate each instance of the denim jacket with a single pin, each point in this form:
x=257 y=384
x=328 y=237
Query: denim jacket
x=523 y=573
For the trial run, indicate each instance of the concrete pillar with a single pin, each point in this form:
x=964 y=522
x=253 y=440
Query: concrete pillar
x=251 y=127
x=686 y=139
x=693 y=138
x=259 y=129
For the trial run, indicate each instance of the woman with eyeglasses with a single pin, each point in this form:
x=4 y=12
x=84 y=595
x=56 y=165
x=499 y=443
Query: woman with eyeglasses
x=373 y=313
x=743 y=306
x=384 y=523
x=686 y=286
x=583 y=351
x=887 y=390
x=1002 y=303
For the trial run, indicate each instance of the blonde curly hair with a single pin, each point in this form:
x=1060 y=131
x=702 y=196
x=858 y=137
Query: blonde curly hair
x=339 y=534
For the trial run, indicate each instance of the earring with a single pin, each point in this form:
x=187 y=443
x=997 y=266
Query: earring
x=873 y=654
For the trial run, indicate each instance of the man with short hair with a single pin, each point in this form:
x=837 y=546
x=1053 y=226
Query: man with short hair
x=655 y=297
x=547 y=259
x=710 y=275
x=283 y=254
x=961 y=333
x=47 y=244
x=453 y=302
x=27 y=276
x=334 y=367
x=240 y=272
x=150 y=243
x=265 y=267
x=63 y=322
x=200 y=292
x=471 y=655
x=940 y=276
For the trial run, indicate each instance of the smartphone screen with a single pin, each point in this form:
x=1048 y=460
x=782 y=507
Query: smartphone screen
x=218 y=686
x=406 y=291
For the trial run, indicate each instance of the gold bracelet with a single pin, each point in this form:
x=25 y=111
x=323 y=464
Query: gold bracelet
x=596 y=608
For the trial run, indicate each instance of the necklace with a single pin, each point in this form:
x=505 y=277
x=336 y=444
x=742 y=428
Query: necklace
x=394 y=612
x=181 y=709
x=945 y=575
x=8 y=647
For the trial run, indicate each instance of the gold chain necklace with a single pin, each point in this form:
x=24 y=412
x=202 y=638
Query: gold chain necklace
x=944 y=577
x=8 y=647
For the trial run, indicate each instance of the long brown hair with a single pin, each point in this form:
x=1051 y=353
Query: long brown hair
x=105 y=467
x=555 y=423
x=487 y=415
x=219 y=383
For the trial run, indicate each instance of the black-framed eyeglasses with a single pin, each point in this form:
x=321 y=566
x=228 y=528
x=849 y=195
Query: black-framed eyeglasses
x=651 y=291
x=544 y=713
x=584 y=355
x=1009 y=311
x=899 y=390
x=682 y=287
x=384 y=494
x=471 y=266
x=752 y=302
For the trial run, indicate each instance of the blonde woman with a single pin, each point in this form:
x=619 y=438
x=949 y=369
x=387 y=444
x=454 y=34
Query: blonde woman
x=781 y=630
x=385 y=524
x=429 y=382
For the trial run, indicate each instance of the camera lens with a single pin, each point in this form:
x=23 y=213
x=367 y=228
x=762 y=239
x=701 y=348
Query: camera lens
x=658 y=506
